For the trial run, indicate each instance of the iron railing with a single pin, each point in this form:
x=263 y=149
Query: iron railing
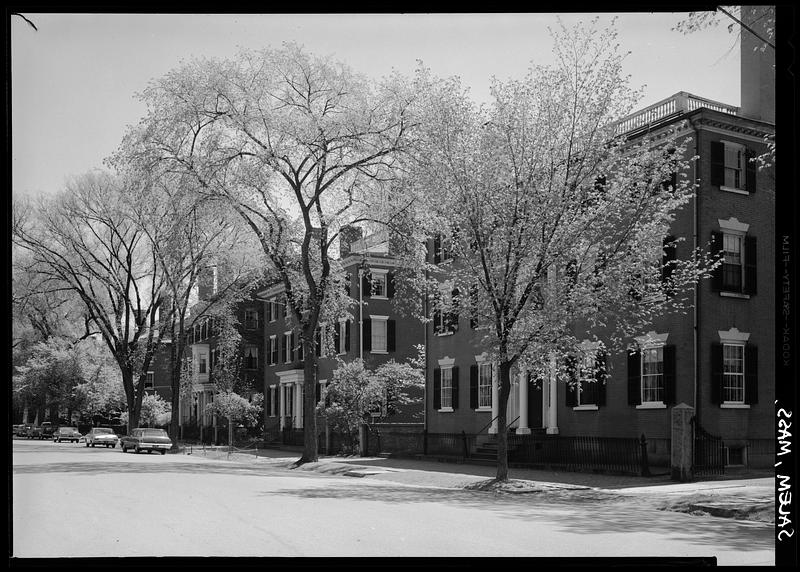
x=672 y=106
x=709 y=452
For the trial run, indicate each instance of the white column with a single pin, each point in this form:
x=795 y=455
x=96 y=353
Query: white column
x=281 y=398
x=552 y=402
x=298 y=404
x=523 y=428
x=495 y=399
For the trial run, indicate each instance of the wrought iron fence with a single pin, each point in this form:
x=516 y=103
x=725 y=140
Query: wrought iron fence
x=709 y=452
x=623 y=455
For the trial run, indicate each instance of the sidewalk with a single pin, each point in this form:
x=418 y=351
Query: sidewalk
x=748 y=496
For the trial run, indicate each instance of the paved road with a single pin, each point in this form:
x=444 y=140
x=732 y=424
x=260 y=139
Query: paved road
x=72 y=501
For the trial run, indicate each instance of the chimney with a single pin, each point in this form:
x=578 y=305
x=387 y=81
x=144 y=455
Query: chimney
x=758 y=64
x=347 y=236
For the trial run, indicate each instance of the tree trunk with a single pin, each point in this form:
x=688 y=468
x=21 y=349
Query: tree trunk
x=177 y=349
x=502 y=421
x=310 y=453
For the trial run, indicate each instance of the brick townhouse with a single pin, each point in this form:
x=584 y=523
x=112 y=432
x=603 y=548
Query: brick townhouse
x=717 y=358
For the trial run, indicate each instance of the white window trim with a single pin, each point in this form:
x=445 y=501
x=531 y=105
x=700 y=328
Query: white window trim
x=651 y=340
x=585 y=408
x=742 y=149
x=447 y=363
x=342 y=325
x=288 y=337
x=153 y=377
x=384 y=272
x=733 y=337
x=273 y=311
x=273 y=338
x=376 y=318
x=482 y=360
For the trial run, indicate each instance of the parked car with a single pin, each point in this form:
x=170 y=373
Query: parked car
x=24 y=430
x=101 y=436
x=146 y=439
x=70 y=434
x=15 y=429
x=43 y=431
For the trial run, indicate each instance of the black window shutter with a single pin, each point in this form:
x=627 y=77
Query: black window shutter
x=716 y=251
x=318 y=392
x=452 y=317
x=437 y=316
x=268 y=400
x=437 y=248
x=717 y=163
x=751 y=374
x=668 y=264
x=269 y=311
x=390 y=285
x=750 y=262
x=716 y=373
x=366 y=328
x=669 y=374
x=455 y=387
x=337 y=338
x=300 y=349
x=473 y=386
x=284 y=355
x=572 y=388
x=347 y=279
x=437 y=388
x=600 y=362
x=366 y=284
x=347 y=336
x=390 y=335
x=635 y=378
x=750 y=171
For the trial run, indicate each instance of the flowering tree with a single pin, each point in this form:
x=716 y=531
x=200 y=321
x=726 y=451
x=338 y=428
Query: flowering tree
x=155 y=411
x=299 y=146
x=357 y=394
x=555 y=222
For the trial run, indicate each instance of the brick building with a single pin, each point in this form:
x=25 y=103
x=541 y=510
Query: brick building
x=375 y=331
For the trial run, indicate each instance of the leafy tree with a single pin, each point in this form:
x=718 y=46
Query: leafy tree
x=357 y=394
x=299 y=146
x=155 y=412
x=86 y=241
x=555 y=221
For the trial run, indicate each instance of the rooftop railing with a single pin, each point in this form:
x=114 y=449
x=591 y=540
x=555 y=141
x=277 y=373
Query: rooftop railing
x=672 y=106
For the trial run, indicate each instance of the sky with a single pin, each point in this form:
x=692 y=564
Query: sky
x=74 y=80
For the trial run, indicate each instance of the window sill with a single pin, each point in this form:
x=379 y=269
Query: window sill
x=653 y=405
x=442 y=334
x=488 y=409
x=733 y=190
x=735 y=295
x=585 y=408
x=380 y=352
x=734 y=406
x=446 y=410
x=376 y=297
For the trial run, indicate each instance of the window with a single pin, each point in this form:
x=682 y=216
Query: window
x=445 y=385
x=442 y=248
x=273 y=350
x=484 y=385
x=653 y=375
x=149 y=380
x=733 y=373
x=734 y=369
x=737 y=250
x=731 y=167
x=586 y=388
x=342 y=337
x=379 y=334
x=651 y=372
x=378 y=284
x=251 y=357
x=273 y=310
x=271 y=401
x=287 y=347
x=251 y=319
x=445 y=314
x=201 y=362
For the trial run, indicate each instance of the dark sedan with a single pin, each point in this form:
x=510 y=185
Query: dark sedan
x=66 y=434
x=146 y=439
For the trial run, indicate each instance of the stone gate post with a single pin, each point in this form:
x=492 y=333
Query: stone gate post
x=682 y=445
